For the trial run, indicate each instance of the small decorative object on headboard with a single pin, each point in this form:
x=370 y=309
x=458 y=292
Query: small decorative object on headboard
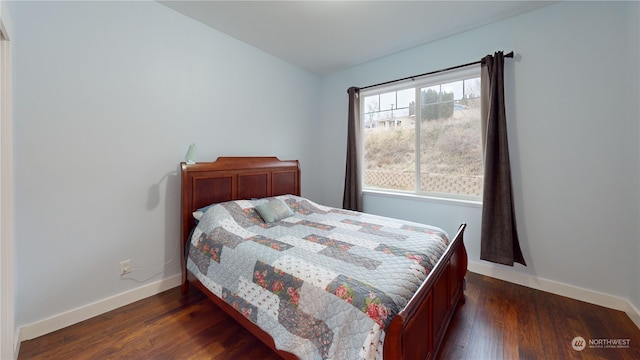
x=191 y=154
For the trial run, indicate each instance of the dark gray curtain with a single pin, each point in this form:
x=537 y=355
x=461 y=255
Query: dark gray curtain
x=352 y=198
x=499 y=236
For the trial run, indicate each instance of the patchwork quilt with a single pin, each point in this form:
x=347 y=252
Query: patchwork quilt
x=323 y=282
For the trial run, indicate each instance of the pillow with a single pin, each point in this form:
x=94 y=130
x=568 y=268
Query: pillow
x=198 y=213
x=274 y=210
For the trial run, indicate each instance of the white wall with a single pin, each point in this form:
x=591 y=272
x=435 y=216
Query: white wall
x=108 y=96
x=633 y=78
x=7 y=220
x=572 y=93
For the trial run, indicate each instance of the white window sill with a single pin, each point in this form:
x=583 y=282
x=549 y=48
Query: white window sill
x=425 y=198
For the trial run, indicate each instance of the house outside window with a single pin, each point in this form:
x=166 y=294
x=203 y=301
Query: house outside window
x=423 y=136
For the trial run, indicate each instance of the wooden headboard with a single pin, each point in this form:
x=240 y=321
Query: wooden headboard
x=233 y=178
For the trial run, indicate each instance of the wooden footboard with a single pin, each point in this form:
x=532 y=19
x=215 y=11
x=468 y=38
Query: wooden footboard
x=414 y=333
x=418 y=330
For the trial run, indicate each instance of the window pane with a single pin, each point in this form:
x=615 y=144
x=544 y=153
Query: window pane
x=389 y=141
x=450 y=141
x=456 y=88
x=371 y=110
x=406 y=99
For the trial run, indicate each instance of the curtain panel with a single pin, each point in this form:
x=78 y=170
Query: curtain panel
x=499 y=241
x=352 y=197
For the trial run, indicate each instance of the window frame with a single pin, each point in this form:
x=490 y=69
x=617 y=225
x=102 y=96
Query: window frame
x=472 y=71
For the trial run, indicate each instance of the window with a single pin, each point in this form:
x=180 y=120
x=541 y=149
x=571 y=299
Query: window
x=423 y=136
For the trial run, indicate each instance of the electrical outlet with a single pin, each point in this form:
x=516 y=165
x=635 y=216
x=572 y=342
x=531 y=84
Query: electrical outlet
x=125 y=267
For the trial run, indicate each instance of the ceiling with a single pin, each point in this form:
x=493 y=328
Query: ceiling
x=327 y=36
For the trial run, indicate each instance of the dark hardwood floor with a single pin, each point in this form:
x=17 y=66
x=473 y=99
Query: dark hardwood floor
x=501 y=320
x=498 y=320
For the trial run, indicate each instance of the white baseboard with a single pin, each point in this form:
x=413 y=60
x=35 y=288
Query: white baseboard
x=554 y=287
x=633 y=313
x=75 y=316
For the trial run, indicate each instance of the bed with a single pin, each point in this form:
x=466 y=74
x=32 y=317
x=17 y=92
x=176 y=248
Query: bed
x=249 y=204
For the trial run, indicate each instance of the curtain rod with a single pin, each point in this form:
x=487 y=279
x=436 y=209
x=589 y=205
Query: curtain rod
x=509 y=55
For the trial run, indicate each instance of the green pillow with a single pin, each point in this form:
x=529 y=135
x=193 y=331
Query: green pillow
x=274 y=210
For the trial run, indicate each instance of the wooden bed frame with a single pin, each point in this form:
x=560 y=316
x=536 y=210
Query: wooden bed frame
x=416 y=332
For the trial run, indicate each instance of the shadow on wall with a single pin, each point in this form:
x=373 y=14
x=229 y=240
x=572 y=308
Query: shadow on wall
x=171 y=227
x=153 y=197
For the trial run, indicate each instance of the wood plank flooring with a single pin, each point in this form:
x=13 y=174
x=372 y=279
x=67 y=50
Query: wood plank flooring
x=498 y=320
x=501 y=320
